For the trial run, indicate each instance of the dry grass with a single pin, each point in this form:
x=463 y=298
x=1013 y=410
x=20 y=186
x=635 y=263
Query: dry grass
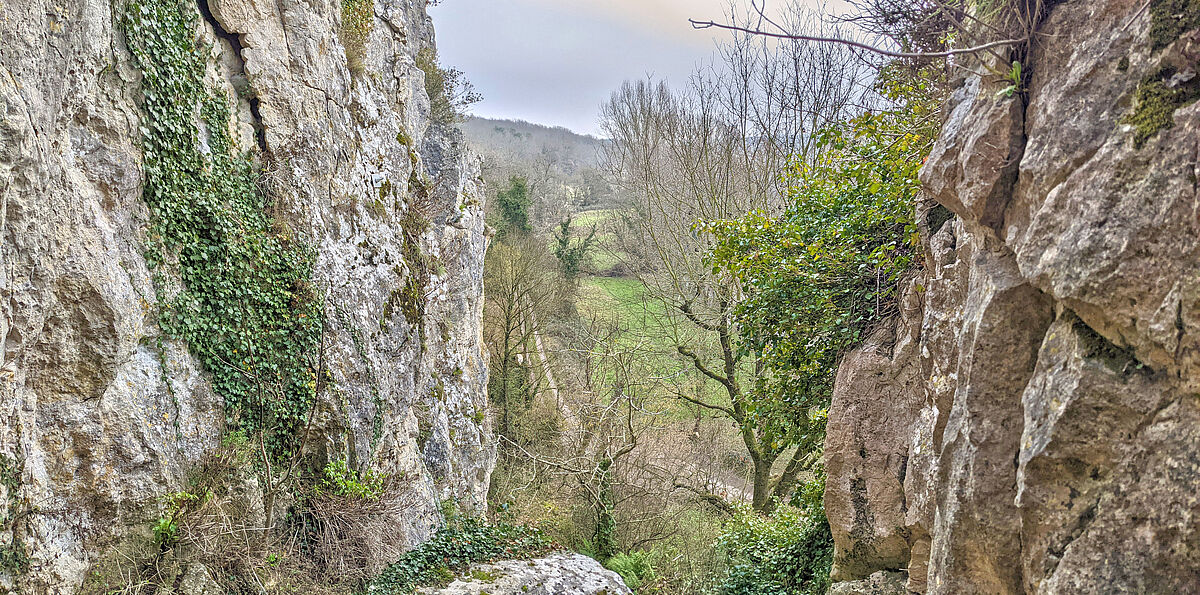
x=353 y=538
x=328 y=544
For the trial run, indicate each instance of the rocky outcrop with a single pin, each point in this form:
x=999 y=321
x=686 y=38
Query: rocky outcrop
x=101 y=412
x=557 y=574
x=1053 y=448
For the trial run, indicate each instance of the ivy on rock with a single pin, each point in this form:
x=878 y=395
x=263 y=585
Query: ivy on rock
x=247 y=307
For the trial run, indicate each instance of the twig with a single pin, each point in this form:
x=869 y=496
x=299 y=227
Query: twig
x=1135 y=17
x=815 y=38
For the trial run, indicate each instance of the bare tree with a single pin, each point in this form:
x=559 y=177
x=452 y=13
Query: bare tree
x=717 y=150
x=519 y=285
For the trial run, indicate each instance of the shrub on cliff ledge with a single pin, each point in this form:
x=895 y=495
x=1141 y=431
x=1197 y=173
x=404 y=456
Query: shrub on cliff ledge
x=818 y=278
x=450 y=93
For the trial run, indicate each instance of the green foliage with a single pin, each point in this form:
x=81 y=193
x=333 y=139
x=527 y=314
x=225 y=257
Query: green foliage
x=514 y=206
x=819 y=277
x=1015 y=81
x=14 y=560
x=247 y=308
x=166 y=528
x=571 y=254
x=340 y=480
x=635 y=568
x=453 y=549
x=1170 y=19
x=357 y=19
x=450 y=93
x=787 y=553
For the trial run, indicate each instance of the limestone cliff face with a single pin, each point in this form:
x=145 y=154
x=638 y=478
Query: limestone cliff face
x=1036 y=426
x=98 y=417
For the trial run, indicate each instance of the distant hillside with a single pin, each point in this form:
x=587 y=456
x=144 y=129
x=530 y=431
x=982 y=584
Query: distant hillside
x=563 y=167
x=517 y=141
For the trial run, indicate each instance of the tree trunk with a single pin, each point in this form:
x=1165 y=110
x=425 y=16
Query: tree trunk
x=605 y=536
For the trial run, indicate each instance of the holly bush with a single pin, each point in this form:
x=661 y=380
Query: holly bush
x=818 y=277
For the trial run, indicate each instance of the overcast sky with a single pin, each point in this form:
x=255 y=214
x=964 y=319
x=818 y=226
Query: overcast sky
x=555 y=62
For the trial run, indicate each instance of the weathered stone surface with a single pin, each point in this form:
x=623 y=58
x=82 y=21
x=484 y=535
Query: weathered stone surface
x=867 y=450
x=1108 y=228
x=1087 y=408
x=879 y=583
x=1056 y=451
x=558 y=574
x=197 y=581
x=975 y=534
x=973 y=164
x=99 y=419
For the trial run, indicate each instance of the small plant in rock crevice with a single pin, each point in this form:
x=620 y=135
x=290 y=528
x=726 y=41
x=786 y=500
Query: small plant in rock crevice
x=357 y=21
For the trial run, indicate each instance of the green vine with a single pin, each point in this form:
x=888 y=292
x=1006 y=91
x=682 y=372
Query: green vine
x=14 y=560
x=455 y=547
x=247 y=307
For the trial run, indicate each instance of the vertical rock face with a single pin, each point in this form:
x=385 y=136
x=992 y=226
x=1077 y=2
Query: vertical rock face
x=1049 y=438
x=100 y=412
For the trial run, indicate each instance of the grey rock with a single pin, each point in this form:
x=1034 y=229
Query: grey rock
x=102 y=419
x=557 y=574
x=867 y=451
x=973 y=164
x=1055 y=447
x=197 y=581
x=879 y=583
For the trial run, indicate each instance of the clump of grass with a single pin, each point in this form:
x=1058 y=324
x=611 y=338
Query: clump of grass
x=357 y=19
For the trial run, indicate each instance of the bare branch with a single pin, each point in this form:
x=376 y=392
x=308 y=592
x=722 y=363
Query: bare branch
x=855 y=44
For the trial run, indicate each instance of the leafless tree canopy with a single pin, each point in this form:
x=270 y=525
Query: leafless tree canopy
x=717 y=149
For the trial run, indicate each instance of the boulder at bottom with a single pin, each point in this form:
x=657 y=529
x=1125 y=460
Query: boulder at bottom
x=880 y=583
x=558 y=574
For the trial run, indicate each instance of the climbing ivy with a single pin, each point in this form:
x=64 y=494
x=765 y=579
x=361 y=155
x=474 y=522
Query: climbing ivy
x=14 y=560
x=455 y=547
x=247 y=307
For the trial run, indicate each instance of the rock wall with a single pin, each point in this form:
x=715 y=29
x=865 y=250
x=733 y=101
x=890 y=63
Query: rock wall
x=1035 y=429
x=100 y=413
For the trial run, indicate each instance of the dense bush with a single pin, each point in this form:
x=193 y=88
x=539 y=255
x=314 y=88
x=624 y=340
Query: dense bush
x=787 y=553
x=818 y=278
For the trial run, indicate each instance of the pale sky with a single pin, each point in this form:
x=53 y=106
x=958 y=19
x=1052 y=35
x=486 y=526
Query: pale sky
x=555 y=62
